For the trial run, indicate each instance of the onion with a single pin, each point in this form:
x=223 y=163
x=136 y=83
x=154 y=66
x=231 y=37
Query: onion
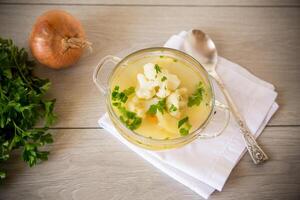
x=57 y=39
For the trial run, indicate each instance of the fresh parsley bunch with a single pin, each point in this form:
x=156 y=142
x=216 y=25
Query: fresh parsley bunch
x=22 y=104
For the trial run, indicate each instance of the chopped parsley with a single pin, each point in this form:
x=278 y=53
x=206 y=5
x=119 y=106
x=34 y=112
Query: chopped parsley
x=116 y=104
x=184 y=126
x=152 y=110
x=116 y=95
x=157 y=68
x=164 y=78
x=161 y=56
x=173 y=108
x=130 y=119
x=129 y=91
x=160 y=106
x=197 y=96
x=175 y=60
x=182 y=121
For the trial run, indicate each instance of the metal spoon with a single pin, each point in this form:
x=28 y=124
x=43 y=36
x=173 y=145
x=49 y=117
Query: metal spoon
x=201 y=46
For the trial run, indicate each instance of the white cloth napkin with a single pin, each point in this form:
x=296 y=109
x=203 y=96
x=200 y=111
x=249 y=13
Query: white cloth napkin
x=204 y=165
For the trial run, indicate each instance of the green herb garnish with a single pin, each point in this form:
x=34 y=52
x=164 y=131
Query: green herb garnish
x=115 y=93
x=130 y=119
x=129 y=91
x=157 y=68
x=160 y=106
x=118 y=96
x=184 y=131
x=116 y=104
x=161 y=56
x=182 y=121
x=164 y=78
x=173 y=108
x=175 y=60
x=197 y=96
x=184 y=126
x=22 y=105
x=152 y=110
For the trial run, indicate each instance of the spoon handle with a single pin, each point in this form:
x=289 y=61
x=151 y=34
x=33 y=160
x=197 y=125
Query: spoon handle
x=257 y=154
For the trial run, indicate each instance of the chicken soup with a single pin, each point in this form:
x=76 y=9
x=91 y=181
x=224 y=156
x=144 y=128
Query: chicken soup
x=160 y=97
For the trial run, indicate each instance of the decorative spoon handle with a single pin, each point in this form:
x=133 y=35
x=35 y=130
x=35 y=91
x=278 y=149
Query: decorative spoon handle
x=257 y=154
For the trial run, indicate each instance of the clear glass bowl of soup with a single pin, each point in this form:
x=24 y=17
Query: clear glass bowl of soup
x=160 y=98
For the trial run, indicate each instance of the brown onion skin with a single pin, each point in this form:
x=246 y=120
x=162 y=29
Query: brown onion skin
x=47 y=35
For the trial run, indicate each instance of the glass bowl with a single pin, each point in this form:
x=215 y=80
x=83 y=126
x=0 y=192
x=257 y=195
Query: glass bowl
x=105 y=72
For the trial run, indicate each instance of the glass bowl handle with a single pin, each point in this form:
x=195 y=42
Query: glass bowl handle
x=218 y=123
x=99 y=72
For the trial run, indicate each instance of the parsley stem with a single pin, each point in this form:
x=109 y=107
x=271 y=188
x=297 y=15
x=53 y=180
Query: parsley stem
x=21 y=74
x=12 y=143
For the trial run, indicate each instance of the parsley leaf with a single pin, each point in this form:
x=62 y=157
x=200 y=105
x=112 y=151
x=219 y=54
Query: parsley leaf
x=184 y=126
x=164 y=78
x=152 y=110
x=157 y=68
x=182 y=121
x=197 y=97
x=22 y=105
x=116 y=95
x=184 y=131
x=130 y=119
x=129 y=91
x=160 y=106
x=173 y=108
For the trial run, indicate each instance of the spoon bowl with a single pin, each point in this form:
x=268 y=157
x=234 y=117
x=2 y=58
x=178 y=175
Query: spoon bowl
x=203 y=49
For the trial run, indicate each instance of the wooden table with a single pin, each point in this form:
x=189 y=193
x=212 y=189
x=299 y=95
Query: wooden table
x=88 y=163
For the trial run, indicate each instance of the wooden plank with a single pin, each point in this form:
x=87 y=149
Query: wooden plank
x=91 y=164
x=165 y=2
x=264 y=40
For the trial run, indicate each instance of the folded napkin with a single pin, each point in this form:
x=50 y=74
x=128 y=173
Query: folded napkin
x=205 y=164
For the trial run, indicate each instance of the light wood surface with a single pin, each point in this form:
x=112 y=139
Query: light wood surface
x=92 y=164
x=87 y=163
x=181 y=3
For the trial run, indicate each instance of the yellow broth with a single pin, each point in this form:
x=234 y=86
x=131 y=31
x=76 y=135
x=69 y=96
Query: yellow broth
x=126 y=76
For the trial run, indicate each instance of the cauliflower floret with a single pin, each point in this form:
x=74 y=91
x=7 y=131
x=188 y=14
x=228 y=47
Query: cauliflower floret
x=163 y=90
x=176 y=101
x=146 y=89
x=153 y=82
x=168 y=123
x=166 y=83
x=137 y=105
x=173 y=82
x=182 y=97
x=149 y=71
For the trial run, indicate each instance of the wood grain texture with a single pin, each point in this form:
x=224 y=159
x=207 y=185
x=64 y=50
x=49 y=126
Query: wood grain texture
x=263 y=40
x=164 y=2
x=92 y=164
